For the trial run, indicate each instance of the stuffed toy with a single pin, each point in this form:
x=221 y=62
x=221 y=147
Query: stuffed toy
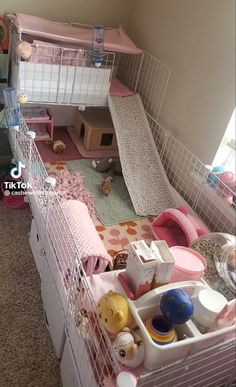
x=113 y=311
x=129 y=348
x=106 y=186
x=58 y=146
x=120 y=260
x=24 y=50
x=108 y=165
x=22 y=98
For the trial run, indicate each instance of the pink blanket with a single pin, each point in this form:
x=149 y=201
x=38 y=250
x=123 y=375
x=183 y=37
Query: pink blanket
x=115 y=39
x=93 y=253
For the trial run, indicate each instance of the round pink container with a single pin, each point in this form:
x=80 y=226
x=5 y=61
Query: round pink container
x=189 y=265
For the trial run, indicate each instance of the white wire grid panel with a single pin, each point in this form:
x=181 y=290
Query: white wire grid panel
x=46 y=209
x=188 y=175
x=147 y=76
x=93 y=354
x=63 y=258
x=212 y=367
x=61 y=75
x=91 y=347
x=204 y=191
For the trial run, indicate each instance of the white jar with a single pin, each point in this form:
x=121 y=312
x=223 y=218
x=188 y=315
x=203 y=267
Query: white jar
x=207 y=305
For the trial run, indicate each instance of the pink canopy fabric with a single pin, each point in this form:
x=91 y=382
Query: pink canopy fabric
x=116 y=39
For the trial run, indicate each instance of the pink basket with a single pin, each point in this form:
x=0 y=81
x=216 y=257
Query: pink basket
x=13 y=201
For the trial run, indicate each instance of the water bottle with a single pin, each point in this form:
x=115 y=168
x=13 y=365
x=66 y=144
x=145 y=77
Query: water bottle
x=11 y=106
x=98 y=45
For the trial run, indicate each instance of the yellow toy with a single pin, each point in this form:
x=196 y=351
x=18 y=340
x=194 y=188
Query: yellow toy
x=22 y=98
x=114 y=313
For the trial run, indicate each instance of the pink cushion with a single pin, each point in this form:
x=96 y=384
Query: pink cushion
x=118 y=89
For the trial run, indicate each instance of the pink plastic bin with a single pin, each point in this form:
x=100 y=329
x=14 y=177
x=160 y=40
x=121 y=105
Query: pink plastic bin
x=12 y=201
x=189 y=265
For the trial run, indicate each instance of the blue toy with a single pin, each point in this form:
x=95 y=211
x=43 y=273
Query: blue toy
x=176 y=306
x=212 y=178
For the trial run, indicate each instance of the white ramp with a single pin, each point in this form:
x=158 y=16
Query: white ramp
x=145 y=177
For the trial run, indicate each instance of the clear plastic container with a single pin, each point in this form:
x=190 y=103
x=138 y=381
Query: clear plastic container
x=98 y=45
x=226 y=265
x=220 y=251
x=12 y=109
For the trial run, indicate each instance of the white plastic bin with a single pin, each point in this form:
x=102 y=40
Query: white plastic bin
x=157 y=355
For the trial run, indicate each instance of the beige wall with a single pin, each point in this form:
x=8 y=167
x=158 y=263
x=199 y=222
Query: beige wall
x=110 y=12
x=196 y=38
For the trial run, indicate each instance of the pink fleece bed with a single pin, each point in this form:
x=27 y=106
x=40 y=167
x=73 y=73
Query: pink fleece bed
x=116 y=39
x=93 y=253
x=178 y=227
x=118 y=89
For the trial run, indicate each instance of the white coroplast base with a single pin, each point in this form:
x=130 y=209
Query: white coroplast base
x=69 y=374
x=54 y=315
x=37 y=248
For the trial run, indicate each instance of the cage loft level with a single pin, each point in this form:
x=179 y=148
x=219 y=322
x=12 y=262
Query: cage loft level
x=75 y=68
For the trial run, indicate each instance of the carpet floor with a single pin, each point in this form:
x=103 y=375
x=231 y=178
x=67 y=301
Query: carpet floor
x=26 y=354
x=70 y=153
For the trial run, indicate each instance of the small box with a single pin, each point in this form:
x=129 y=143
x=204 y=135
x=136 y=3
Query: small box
x=141 y=267
x=165 y=263
x=95 y=130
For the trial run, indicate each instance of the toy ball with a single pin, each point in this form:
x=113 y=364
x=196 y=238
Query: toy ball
x=161 y=330
x=176 y=306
